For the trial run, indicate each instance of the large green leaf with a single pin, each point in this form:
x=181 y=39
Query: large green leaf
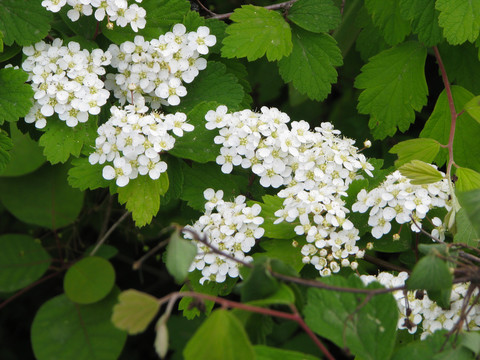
x=23 y=260
x=141 y=197
x=263 y=352
x=26 y=156
x=470 y=201
x=23 y=21
x=259 y=283
x=282 y=249
x=311 y=65
x=430 y=273
x=460 y=20
x=387 y=16
x=220 y=337
x=89 y=280
x=64 y=330
x=394 y=88
x=420 y=173
x=180 y=255
x=255 y=32
x=468 y=179
x=466 y=151
x=15 y=95
x=424 y=20
x=284 y=230
x=466 y=233
x=42 y=198
x=135 y=311
x=315 y=15
x=198 y=145
x=473 y=108
x=6 y=145
x=415 y=149
x=84 y=175
x=367 y=331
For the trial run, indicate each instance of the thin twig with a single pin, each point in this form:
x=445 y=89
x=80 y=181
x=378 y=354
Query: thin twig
x=284 y=5
x=205 y=8
x=107 y=234
x=385 y=264
x=138 y=264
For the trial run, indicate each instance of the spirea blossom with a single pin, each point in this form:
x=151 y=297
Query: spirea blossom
x=116 y=11
x=132 y=140
x=396 y=199
x=66 y=80
x=231 y=227
x=417 y=310
x=157 y=69
x=313 y=168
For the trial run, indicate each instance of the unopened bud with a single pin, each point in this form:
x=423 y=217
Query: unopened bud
x=110 y=25
x=295 y=243
x=367 y=144
x=132 y=87
x=369 y=246
x=396 y=237
x=161 y=340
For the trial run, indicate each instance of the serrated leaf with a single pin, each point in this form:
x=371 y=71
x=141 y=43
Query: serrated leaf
x=263 y=352
x=424 y=20
x=468 y=179
x=141 y=197
x=6 y=145
x=25 y=156
x=240 y=71
x=282 y=249
x=284 y=230
x=315 y=15
x=213 y=85
x=23 y=21
x=175 y=179
x=466 y=151
x=84 y=175
x=199 y=177
x=220 y=337
x=420 y=173
x=466 y=233
x=470 y=201
x=180 y=255
x=415 y=149
x=430 y=273
x=89 y=280
x=473 y=108
x=60 y=141
x=42 y=198
x=367 y=331
x=386 y=15
x=460 y=20
x=311 y=65
x=161 y=16
x=85 y=332
x=198 y=145
x=23 y=260
x=192 y=20
x=394 y=88
x=370 y=41
x=134 y=311
x=15 y=95
x=255 y=32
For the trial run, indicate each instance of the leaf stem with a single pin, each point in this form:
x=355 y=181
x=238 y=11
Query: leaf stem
x=283 y=5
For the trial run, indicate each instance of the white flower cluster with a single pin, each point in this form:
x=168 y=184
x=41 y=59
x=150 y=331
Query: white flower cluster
x=118 y=11
x=157 y=69
x=231 y=227
x=315 y=166
x=397 y=199
x=418 y=310
x=132 y=140
x=66 y=81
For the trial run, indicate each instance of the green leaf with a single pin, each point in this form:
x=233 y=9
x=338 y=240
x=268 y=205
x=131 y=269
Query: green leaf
x=62 y=329
x=255 y=32
x=42 y=198
x=471 y=340
x=220 y=337
x=370 y=41
x=84 y=175
x=282 y=249
x=15 y=95
x=386 y=15
x=85 y=27
x=263 y=352
x=135 y=311
x=284 y=230
x=198 y=145
x=420 y=173
x=6 y=145
x=25 y=157
x=368 y=331
x=259 y=283
x=161 y=16
x=284 y=296
x=23 y=261
x=315 y=15
x=394 y=88
x=213 y=84
x=104 y=251
x=60 y=141
x=466 y=151
x=466 y=233
x=236 y=68
x=460 y=20
x=430 y=273
x=441 y=297
x=470 y=201
x=415 y=149
x=89 y=280
x=468 y=179
x=180 y=255
x=23 y=21
x=311 y=65
x=142 y=197
x=424 y=20
x=473 y=108
x=200 y=177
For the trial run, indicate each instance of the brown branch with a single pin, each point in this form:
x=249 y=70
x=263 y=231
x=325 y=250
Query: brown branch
x=283 y=5
x=385 y=264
